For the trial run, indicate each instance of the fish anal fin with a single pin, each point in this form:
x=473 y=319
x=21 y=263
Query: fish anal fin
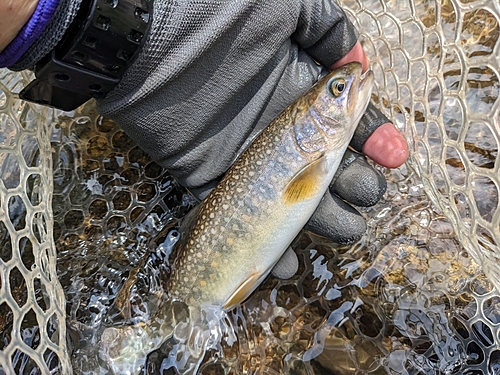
x=306 y=183
x=242 y=291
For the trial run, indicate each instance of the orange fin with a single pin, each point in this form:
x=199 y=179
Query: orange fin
x=305 y=184
x=242 y=292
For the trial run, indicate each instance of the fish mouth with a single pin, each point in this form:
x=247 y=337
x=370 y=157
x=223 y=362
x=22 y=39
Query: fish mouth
x=365 y=89
x=366 y=79
x=364 y=92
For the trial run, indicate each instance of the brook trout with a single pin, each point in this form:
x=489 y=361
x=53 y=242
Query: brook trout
x=248 y=221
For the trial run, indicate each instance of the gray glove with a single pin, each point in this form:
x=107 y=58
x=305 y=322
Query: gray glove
x=212 y=74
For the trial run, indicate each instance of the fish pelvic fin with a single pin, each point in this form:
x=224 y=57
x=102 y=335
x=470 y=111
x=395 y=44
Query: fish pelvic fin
x=242 y=291
x=306 y=183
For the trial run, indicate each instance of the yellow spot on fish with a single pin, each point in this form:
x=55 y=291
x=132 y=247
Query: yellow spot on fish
x=203 y=283
x=213 y=264
x=230 y=241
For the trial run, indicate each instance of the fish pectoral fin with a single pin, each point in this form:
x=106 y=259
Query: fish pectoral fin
x=242 y=291
x=305 y=184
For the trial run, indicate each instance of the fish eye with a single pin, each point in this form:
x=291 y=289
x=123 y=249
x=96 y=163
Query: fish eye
x=338 y=86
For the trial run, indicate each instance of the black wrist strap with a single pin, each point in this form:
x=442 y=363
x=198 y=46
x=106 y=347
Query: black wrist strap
x=101 y=43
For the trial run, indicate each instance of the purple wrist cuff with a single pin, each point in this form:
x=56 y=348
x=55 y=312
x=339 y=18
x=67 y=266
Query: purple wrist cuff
x=29 y=33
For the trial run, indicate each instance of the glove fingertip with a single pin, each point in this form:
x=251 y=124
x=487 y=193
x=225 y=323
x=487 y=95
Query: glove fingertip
x=287 y=266
x=337 y=221
x=360 y=184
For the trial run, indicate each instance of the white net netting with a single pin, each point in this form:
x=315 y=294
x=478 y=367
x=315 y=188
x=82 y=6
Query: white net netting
x=406 y=299
x=32 y=303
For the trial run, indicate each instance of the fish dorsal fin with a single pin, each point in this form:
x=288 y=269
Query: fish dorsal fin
x=306 y=183
x=242 y=291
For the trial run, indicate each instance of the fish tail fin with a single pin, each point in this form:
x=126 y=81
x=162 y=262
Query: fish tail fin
x=191 y=330
x=125 y=349
x=193 y=339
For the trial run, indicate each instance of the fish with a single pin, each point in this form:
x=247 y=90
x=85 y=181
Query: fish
x=247 y=222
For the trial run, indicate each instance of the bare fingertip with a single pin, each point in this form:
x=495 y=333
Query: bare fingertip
x=387 y=146
x=355 y=54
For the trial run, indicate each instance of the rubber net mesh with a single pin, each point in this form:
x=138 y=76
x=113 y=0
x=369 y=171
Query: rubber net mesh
x=406 y=299
x=32 y=303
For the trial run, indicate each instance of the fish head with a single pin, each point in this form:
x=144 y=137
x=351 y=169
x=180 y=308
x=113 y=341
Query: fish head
x=331 y=111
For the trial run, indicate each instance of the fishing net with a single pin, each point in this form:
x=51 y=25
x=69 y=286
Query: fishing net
x=406 y=299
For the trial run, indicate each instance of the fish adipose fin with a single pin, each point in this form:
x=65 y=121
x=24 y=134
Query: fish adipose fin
x=306 y=183
x=242 y=291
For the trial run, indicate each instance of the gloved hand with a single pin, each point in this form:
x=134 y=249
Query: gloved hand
x=356 y=182
x=212 y=74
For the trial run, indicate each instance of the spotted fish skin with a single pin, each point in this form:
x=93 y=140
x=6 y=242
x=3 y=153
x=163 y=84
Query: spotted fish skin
x=247 y=222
